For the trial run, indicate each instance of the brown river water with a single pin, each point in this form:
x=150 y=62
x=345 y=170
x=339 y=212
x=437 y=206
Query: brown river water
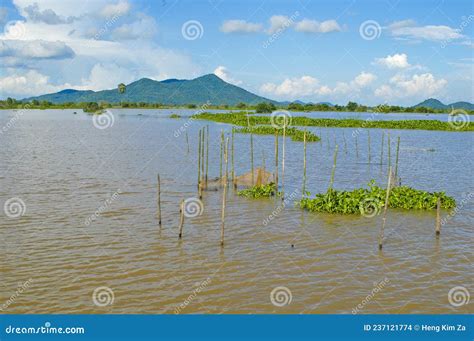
x=79 y=231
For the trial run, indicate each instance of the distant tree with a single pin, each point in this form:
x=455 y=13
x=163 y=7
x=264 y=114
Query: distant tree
x=121 y=88
x=352 y=106
x=35 y=102
x=241 y=105
x=91 y=107
x=192 y=106
x=265 y=107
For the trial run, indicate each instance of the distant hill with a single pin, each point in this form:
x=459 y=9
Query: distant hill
x=436 y=104
x=171 y=91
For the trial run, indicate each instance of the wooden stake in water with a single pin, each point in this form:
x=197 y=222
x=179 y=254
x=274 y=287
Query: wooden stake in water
x=181 y=218
x=304 y=164
x=384 y=219
x=276 y=158
x=438 y=217
x=232 y=157
x=345 y=143
x=187 y=141
x=333 y=171
x=221 y=155
x=357 y=147
x=207 y=153
x=251 y=157
x=224 y=192
x=199 y=162
x=203 y=149
x=396 y=159
x=159 y=200
x=388 y=151
x=368 y=143
x=283 y=163
x=381 y=149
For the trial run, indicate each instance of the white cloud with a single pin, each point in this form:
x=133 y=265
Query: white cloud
x=420 y=86
x=223 y=73
x=408 y=29
x=397 y=61
x=313 y=26
x=279 y=22
x=35 y=49
x=307 y=86
x=119 y=9
x=107 y=76
x=143 y=28
x=240 y=26
x=27 y=84
x=48 y=16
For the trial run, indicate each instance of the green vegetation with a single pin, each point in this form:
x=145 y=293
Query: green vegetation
x=91 y=107
x=260 y=191
x=370 y=201
x=294 y=133
x=175 y=116
x=240 y=119
x=265 y=108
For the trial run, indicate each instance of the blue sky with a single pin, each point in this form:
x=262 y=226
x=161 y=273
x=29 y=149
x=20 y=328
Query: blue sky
x=397 y=52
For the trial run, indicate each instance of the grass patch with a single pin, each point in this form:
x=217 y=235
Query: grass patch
x=261 y=191
x=175 y=116
x=294 y=133
x=370 y=201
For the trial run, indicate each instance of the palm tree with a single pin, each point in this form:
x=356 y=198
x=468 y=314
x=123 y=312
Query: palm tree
x=121 y=88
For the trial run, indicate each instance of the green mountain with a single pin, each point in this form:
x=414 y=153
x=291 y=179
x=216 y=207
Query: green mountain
x=171 y=91
x=436 y=104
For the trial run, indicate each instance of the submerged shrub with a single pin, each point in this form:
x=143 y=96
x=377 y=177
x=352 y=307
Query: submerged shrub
x=259 y=191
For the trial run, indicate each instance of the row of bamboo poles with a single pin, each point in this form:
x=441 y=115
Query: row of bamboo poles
x=203 y=168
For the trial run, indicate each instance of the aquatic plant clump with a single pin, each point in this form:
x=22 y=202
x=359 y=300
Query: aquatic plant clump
x=369 y=201
x=175 y=116
x=242 y=119
x=259 y=191
x=294 y=133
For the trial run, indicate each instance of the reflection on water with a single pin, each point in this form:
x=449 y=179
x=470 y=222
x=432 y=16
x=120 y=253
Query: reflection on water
x=89 y=242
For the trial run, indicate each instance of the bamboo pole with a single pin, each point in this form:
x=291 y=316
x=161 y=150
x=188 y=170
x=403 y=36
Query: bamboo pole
x=181 y=218
x=438 y=217
x=199 y=162
x=203 y=146
x=388 y=151
x=333 y=171
x=384 y=219
x=396 y=159
x=207 y=153
x=381 y=149
x=368 y=143
x=276 y=158
x=232 y=157
x=221 y=155
x=251 y=157
x=304 y=164
x=345 y=142
x=159 y=201
x=357 y=147
x=187 y=141
x=224 y=194
x=283 y=164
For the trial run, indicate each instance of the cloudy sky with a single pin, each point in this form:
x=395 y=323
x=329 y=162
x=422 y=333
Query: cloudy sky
x=393 y=51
